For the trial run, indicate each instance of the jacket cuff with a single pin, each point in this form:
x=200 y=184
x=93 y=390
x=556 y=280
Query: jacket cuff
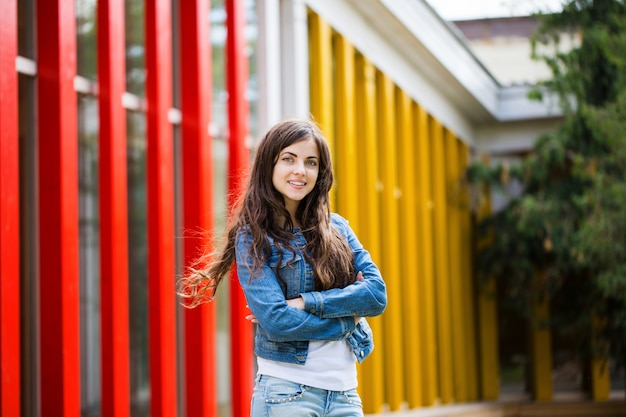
x=312 y=302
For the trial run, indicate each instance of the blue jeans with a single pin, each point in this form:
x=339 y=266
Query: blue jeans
x=276 y=397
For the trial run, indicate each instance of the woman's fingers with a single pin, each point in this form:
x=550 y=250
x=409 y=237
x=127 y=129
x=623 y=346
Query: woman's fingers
x=250 y=317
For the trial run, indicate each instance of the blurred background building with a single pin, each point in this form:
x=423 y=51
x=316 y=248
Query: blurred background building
x=126 y=127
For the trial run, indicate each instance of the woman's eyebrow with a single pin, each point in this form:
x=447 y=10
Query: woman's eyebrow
x=296 y=155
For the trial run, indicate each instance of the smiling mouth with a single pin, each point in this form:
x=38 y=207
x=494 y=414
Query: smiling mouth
x=297 y=183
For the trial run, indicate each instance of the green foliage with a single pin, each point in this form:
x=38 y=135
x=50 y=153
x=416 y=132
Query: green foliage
x=86 y=29
x=569 y=221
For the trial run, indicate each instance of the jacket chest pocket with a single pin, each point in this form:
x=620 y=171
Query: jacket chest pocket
x=289 y=272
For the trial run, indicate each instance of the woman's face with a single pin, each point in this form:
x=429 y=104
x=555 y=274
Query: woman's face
x=295 y=172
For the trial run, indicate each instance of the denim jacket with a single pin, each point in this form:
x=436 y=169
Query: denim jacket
x=283 y=332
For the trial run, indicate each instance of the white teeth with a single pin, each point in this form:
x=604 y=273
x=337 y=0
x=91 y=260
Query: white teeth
x=296 y=183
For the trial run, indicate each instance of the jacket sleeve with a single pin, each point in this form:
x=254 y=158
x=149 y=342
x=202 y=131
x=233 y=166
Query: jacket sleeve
x=365 y=298
x=267 y=302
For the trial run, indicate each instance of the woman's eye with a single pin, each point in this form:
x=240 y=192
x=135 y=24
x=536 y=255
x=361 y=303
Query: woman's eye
x=312 y=163
x=288 y=159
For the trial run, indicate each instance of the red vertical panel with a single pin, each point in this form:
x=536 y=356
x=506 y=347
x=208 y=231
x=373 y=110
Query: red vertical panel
x=113 y=211
x=9 y=216
x=195 y=81
x=58 y=209
x=160 y=166
x=237 y=76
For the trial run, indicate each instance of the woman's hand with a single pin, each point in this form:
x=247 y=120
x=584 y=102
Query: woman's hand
x=295 y=303
x=251 y=317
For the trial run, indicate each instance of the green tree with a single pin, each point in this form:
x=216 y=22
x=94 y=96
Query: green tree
x=568 y=221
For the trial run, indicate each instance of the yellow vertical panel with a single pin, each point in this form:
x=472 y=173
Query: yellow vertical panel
x=457 y=288
x=390 y=263
x=429 y=344
x=409 y=249
x=488 y=318
x=320 y=73
x=442 y=267
x=346 y=164
x=600 y=379
x=321 y=78
x=600 y=373
x=488 y=342
x=541 y=349
x=467 y=280
x=371 y=372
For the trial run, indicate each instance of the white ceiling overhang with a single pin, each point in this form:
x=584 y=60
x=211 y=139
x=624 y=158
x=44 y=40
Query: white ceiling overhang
x=426 y=57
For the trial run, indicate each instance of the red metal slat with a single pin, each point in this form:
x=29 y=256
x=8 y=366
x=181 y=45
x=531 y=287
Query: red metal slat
x=58 y=209
x=195 y=81
x=9 y=216
x=160 y=178
x=113 y=211
x=237 y=77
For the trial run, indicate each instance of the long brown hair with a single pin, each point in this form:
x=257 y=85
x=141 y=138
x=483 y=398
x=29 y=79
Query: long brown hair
x=263 y=212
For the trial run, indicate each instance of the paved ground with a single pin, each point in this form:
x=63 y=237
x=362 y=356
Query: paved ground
x=561 y=407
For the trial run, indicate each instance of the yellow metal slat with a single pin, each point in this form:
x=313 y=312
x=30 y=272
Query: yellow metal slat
x=371 y=372
x=541 y=348
x=346 y=163
x=321 y=79
x=467 y=279
x=600 y=379
x=390 y=243
x=442 y=267
x=488 y=319
x=409 y=249
x=600 y=372
x=428 y=329
x=488 y=342
x=457 y=294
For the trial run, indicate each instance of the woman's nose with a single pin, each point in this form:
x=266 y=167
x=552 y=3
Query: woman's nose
x=299 y=169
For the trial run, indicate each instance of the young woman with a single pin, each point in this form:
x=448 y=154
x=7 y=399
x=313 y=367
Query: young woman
x=307 y=279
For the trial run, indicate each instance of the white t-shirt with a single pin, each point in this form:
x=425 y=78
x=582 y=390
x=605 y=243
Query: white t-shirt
x=330 y=365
